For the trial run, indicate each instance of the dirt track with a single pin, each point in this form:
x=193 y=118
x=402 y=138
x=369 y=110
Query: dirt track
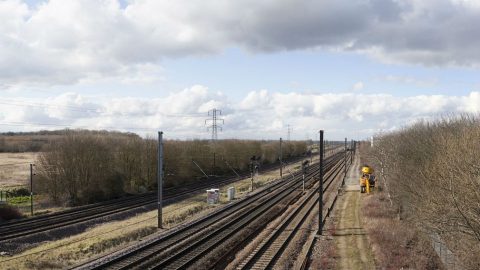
x=351 y=241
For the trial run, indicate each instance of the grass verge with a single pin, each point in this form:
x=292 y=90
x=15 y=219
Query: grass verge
x=396 y=245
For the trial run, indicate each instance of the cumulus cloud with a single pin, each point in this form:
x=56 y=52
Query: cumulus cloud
x=260 y=114
x=64 y=42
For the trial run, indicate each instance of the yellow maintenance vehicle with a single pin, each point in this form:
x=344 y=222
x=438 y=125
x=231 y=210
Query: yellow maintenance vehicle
x=367 y=181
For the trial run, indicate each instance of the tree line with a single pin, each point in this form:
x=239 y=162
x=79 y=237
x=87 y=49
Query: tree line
x=431 y=171
x=18 y=142
x=82 y=167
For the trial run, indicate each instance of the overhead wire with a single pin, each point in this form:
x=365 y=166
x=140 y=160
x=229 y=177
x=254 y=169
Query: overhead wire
x=42 y=105
x=74 y=127
x=82 y=109
x=98 y=111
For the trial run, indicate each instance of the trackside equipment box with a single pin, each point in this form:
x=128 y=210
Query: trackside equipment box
x=231 y=193
x=213 y=195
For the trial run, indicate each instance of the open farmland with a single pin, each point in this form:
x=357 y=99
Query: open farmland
x=15 y=168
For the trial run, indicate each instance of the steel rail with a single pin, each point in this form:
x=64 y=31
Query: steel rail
x=138 y=256
x=193 y=252
x=25 y=227
x=267 y=253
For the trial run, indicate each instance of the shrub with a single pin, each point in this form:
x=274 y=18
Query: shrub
x=82 y=167
x=20 y=192
x=8 y=212
x=431 y=171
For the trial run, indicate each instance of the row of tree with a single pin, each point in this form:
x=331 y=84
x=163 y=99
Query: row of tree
x=17 y=145
x=431 y=171
x=81 y=167
x=15 y=142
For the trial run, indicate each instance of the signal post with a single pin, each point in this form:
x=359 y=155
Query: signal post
x=160 y=178
x=320 y=190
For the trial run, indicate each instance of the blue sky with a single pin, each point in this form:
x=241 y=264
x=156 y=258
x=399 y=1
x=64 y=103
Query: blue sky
x=353 y=68
x=316 y=71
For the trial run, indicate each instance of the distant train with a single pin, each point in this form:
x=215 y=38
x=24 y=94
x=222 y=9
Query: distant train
x=367 y=181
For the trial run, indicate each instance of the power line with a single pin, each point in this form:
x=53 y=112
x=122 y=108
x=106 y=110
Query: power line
x=73 y=127
x=82 y=109
x=214 y=126
x=97 y=111
x=42 y=105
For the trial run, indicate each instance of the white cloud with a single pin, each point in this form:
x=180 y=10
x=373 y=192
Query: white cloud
x=260 y=114
x=358 y=86
x=64 y=42
x=256 y=100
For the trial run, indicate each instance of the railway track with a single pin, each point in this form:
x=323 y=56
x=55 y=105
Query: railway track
x=311 y=242
x=272 y=247
x=185 y=246
x=57 y=220
x=30 y=226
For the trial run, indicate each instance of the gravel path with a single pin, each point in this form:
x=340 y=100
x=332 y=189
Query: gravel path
x=352 y=244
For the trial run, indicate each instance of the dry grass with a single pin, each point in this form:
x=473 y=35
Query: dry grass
x=18 y=174
x=68 y=251
x=185 y=210
x=396 y=244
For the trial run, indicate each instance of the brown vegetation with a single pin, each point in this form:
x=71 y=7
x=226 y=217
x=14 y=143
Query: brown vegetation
x=16 y=142
x=84 y=167
x=8 y=212
x=430 y=172
x=395 y=243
